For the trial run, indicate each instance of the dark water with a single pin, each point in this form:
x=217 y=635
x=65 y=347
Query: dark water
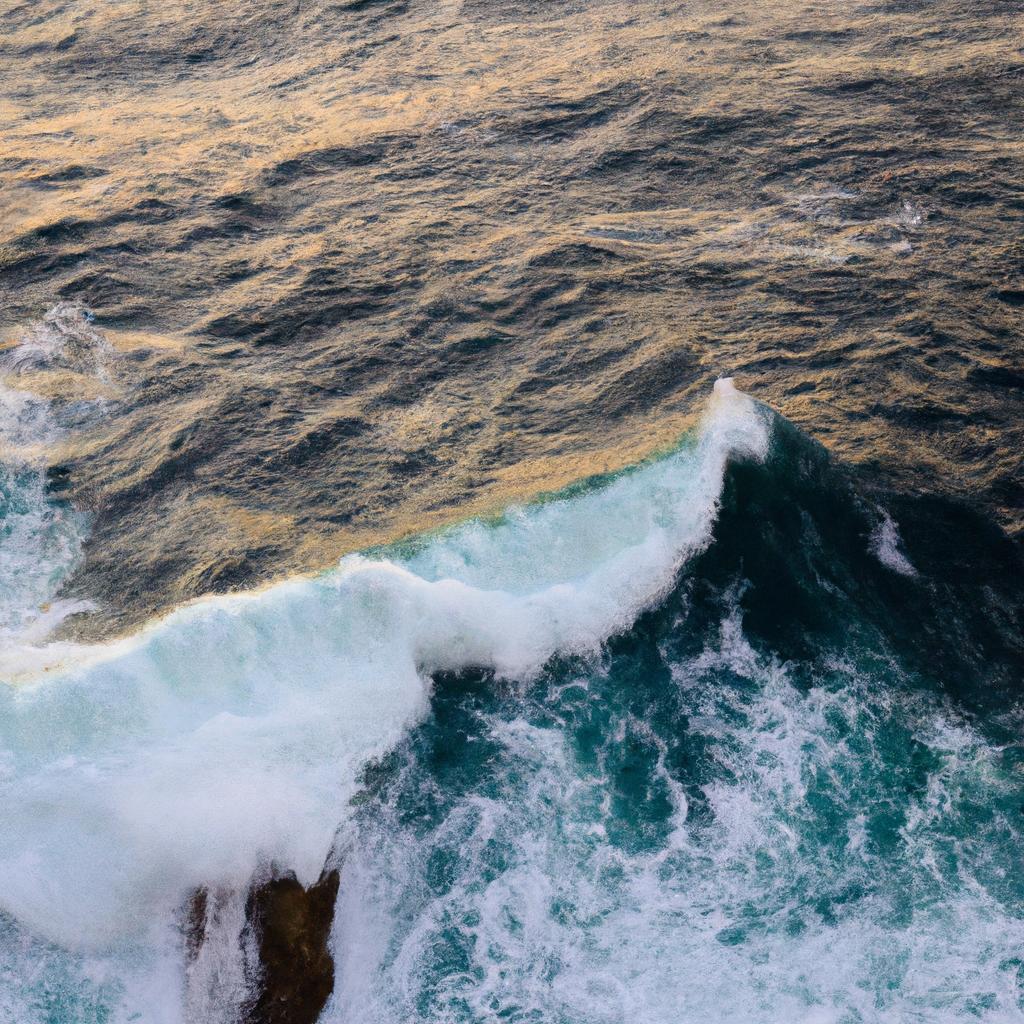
x=716 y=738
x=793 y=791
x=713 y=711
x=369 y=267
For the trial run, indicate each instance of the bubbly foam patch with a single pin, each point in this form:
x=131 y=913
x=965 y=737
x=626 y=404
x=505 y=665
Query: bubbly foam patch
x=40 y=538
x=886 y=545
x=65 y=337
x=843 y=869
x=231 y=733
x=40 y=544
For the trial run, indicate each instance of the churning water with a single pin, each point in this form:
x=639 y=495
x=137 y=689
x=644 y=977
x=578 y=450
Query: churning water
x=704 y=740
x=722 y=728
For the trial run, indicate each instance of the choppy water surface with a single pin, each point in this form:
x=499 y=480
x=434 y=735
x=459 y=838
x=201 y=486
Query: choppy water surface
x=370 y=266
x=717 y=737
x=724 y=722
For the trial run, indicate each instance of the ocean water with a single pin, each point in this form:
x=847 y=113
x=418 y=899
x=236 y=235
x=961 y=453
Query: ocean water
x=370 y=267
x=713 y=738
x=374 y=495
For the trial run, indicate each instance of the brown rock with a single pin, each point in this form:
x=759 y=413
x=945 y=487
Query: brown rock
x=193 y=923
x=291 y=926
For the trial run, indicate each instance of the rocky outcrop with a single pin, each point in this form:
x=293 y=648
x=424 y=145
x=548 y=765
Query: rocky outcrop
x=291 y=926
x=287 y=927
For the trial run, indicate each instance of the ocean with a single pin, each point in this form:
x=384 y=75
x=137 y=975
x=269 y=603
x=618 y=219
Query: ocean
x=551 y=470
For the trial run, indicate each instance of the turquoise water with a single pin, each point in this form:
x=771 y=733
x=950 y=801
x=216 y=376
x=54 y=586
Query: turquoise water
x=721 y=738
x=791 y=792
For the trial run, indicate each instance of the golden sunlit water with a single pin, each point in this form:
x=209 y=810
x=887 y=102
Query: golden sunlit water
x=370 y=267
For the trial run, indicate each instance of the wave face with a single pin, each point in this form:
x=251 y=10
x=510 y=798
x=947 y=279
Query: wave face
x=792 y=791
x=712 y=739
x=230 y=735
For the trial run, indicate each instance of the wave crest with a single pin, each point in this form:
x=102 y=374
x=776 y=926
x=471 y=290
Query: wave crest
x=232 y=732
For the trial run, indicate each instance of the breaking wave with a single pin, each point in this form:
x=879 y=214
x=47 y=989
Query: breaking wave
x=713 y=738
x=231 y=734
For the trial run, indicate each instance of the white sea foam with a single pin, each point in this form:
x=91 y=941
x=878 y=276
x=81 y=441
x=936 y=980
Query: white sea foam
x=40 y=540
x=762 y=913
x=64 y=337
x=886 y=543
x=231 y=733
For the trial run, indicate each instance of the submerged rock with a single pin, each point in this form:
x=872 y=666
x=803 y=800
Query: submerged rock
x=193 y=923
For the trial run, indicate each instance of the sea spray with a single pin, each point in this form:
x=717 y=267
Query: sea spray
x=528 y=856
x=675 y=744
x=788 y=793
x=232 y=733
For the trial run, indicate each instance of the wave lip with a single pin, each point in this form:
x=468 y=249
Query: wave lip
x=232 y=732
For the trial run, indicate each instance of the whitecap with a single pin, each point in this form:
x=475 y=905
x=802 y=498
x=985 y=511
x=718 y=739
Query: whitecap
x=231 y=733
